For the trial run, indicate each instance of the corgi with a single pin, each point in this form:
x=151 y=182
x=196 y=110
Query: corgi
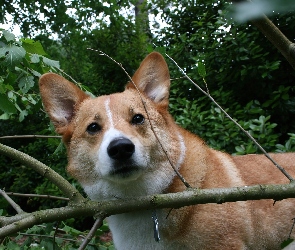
x=114 y=153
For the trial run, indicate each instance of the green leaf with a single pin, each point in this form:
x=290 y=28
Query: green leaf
x=22 y=115
x=51 y=63
x=13 y=54
x=6 y=105
x=201 y=69
x=35 y=58
x=285 y=96
x=71 y=230
x=25 y=83
x=217 y=110
x=49 y=244
x=244 y=58
x=2 y=51
x=267 y=103
x=35 y=73
x=31 y=99
x=150 y=48
x=2 y=89
x=161 y=50
x=4 y=116
x=286 y=243
x=33 y=47
x=59 y=148
x=8 y=36
x=240 y=149
x=12 y=245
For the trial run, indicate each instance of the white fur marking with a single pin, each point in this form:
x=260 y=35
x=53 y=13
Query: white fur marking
x=182 y=151
x=104 y=163
x=158 y=93
x=109 y=112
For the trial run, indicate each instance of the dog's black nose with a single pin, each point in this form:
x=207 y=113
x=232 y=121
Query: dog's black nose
x=121 y=149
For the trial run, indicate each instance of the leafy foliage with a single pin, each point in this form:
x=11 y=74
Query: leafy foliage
x=22 y=63
x=205 y=119
x=65 y=237
x=243 y=71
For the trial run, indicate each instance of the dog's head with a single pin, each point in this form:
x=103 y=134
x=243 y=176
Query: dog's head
x=111 y=142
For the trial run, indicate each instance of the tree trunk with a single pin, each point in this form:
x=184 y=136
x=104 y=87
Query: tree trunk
x=142 y=17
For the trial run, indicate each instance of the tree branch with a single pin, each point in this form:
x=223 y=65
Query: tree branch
x=68 y=190
x=277 y=38
x=191 y=196
x=16 y=207
x=97 y=224
x=274 y=35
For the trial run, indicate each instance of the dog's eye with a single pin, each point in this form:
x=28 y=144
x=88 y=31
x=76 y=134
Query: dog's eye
x=137 y=119
x=93 y=128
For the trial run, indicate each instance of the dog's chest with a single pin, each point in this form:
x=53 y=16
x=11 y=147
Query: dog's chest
x=134 y=231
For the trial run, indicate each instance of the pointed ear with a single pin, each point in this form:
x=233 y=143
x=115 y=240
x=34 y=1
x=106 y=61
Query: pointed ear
x=60 y=99
x=153 y=79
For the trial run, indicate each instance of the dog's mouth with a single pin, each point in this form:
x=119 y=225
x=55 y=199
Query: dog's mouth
x=123 y=170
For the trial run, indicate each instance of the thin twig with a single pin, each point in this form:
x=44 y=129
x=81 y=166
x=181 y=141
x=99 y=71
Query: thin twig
x=236 y=123
x=177 y=78
x=293 y=224
x=55 y=233
x=16 y=207
x=152 y=127
x=73 y=80
x=29 y=136
x=97 y=224
x=44 y=196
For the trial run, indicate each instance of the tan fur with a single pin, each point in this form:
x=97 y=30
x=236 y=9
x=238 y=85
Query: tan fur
x=239 y=225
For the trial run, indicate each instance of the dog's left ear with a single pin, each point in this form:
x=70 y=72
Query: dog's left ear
x=153 y=79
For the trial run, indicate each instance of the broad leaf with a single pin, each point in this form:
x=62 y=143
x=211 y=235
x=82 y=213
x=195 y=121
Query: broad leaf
x=35 y=73
x=4 y=116
x=35 y=58
x=13 y=54
x=8 y=36
x=22 y=115
x=51 y=63
x=33 y=47
x=201 y=69
x=286 y=243
x=6 y=105
x=25 y=83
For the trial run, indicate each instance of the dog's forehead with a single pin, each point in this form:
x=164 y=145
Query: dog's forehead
x=118 y=104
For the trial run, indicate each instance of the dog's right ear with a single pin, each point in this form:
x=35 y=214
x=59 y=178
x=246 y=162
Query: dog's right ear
x=60 y=99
